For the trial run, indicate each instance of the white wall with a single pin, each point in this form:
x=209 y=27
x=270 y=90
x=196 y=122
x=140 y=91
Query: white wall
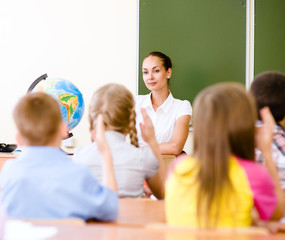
x=88 y=42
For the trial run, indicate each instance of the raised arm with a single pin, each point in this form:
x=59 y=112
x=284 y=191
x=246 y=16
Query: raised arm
x=264 y=138
x=109 y=179
x=156 y=183
x=180 y=134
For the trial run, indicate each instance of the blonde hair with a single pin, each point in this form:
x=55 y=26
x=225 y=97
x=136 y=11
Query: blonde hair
x=37 y=117
x=116 y=103
x=223 y=119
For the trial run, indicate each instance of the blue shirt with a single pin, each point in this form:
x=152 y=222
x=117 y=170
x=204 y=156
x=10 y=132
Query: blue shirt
x=45 y=183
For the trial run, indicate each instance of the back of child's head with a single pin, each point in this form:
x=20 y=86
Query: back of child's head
x=224 y=115
x=223 y=118
x=268 y=89
x=116 y=103
x=38 y=118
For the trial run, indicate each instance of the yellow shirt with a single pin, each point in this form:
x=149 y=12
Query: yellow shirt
x=235 y=206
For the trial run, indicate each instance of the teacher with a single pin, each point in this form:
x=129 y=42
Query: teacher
x=170 y=116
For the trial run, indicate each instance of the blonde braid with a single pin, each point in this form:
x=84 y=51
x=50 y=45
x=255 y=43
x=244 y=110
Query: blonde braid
x=133 y=130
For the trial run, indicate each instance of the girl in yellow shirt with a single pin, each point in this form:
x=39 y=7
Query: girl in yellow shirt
x=221 y=184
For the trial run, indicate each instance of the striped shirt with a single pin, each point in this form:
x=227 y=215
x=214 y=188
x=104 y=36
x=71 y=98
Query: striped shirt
x=278 y=152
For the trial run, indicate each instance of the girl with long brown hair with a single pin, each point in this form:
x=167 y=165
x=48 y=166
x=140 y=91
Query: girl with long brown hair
x=221 y=184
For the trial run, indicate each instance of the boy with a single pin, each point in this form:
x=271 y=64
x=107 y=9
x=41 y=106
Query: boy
x=268 y=89
x=43 y=182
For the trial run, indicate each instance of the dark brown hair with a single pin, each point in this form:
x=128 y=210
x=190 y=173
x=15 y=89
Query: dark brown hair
x=166 y=61
x=268 y=88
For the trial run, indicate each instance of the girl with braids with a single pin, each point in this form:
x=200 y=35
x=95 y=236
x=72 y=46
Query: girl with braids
x=221 y=184
x=132 y=165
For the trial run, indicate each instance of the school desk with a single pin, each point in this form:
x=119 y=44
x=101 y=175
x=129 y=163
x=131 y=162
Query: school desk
x=69 y=231
x=144 y=219
x=138 y=212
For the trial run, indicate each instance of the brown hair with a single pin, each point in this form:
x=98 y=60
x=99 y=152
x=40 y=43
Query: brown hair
x=223 y=119
x=37 y=117
x=116 y=103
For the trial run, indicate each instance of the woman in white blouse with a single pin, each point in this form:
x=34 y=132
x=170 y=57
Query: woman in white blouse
x=170 y=116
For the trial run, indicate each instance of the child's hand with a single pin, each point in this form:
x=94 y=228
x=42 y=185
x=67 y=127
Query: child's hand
x=147 y=129
x=147 y=191
x=156 y=182
x=99 y=135
x=108 y=175
x=272 y=226
x=264 y=133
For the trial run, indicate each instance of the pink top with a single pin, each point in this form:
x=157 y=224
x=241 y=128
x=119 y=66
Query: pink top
x=262 y=187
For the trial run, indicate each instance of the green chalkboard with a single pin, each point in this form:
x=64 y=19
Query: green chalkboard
x=205 y=39
x=269 y=36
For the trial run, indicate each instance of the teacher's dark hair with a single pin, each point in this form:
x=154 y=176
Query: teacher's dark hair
x=164 y=58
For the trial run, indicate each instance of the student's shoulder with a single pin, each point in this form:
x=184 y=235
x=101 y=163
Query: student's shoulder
x=81 y=171
x=9 y=164
x=256 y=173
x=182 y=165
x=134 y=155
x=13 y=163
x=84 y=152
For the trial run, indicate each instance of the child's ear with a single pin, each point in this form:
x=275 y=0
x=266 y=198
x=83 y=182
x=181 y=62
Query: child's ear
x=63 y=130
x=19 y=139
x=93 y=137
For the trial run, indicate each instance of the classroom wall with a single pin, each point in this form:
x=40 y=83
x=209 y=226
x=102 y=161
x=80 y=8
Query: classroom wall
x=206 y=41
x=87 y=42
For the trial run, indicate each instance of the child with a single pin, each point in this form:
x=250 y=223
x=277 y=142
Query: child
x=132 y=165
x=268 y=88
x=221 y=183
x=43 y=182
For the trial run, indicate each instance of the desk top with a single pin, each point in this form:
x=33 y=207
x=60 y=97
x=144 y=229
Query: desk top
x=8 y=155
x=113 y=232
x=139 y=212
x=144 y=219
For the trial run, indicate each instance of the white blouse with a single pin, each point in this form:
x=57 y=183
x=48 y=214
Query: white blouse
x=164 y=118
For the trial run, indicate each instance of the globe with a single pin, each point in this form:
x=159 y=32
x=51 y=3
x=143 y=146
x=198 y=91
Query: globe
x=68 y=96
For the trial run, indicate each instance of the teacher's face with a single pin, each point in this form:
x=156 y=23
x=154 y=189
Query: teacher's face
x=155 y=75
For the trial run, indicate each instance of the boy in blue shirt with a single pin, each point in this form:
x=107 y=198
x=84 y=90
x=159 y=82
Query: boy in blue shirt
x=43 y=182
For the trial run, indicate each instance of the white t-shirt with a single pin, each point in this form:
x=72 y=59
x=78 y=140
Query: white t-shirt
x=132 y=165
x=164 y=118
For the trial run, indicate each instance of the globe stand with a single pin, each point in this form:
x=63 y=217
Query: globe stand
x=34 y=83
x=69 y=135
x=43 y=77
